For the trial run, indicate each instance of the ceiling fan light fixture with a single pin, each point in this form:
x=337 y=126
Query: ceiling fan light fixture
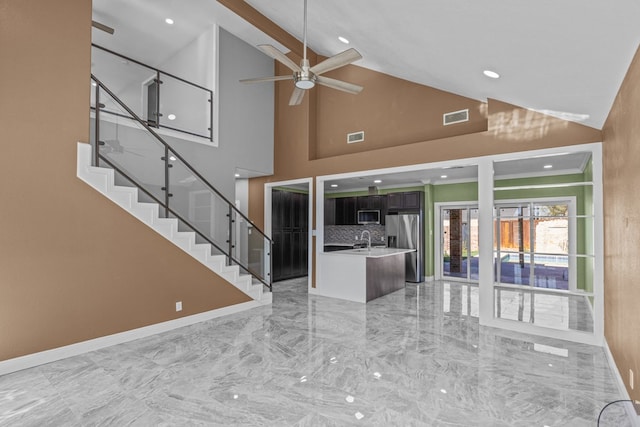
x=305 y=82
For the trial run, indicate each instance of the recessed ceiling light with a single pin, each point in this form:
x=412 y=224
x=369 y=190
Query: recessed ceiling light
x=169 y=21
x=548 y=166
x=443 y=176
x=334 y=185
x=171 y=117
x=443 y=391
x=343 y=40
x=172 y=158
x=94 y=84
x=377 y=181
x=237 y=175
x=491 y=74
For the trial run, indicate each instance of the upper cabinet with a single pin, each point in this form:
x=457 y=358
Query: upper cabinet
x=344 y=210
x=411 y=200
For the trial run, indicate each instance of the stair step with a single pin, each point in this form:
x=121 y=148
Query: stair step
x=166 y=226
x=201 y=251
x=145 y=212
x=243 y=282
x=103 y=180
x=124 y=196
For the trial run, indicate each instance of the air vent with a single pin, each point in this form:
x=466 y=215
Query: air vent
x=355 y=137
x=455 y=117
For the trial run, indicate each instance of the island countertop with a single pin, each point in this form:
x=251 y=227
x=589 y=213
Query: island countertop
x=373 y=253
x=361 y=274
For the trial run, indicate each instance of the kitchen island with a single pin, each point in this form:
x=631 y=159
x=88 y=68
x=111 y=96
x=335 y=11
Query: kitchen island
x=361 y=275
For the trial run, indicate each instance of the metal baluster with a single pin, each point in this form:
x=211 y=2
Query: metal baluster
x=230 y=234
x=166 y=181
x=158 y=83
x=211 y=116
x=270 y=276
x=96 y=152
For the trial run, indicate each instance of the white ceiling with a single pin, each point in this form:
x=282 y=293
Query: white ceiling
x=566 y=58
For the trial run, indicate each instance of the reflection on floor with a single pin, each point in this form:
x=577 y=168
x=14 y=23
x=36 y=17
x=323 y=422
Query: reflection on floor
x=551 y=310
x=405 y=359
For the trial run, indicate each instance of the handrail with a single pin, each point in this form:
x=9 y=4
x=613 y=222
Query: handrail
x=150 y=67
x=159 y=72
x=167 y=147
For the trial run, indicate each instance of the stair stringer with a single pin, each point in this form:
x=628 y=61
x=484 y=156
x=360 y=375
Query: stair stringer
x=102 y=180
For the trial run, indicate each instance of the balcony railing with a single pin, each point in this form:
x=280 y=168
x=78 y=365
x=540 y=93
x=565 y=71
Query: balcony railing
x=160 y=99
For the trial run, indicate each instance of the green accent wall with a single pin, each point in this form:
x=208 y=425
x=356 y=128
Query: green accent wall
x=291 y=190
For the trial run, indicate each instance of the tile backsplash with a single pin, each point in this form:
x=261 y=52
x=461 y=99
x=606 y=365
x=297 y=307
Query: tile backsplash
x=346 y=234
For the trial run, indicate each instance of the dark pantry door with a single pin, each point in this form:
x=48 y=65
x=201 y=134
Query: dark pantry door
x=290 y=228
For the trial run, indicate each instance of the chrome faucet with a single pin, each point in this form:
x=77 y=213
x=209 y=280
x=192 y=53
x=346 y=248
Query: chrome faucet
x=368 y=240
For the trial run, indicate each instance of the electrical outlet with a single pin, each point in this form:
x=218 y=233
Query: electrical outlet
x=179 y=306
x=631 y=379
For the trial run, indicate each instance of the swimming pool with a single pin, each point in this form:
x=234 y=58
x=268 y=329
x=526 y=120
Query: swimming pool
x=555 y=260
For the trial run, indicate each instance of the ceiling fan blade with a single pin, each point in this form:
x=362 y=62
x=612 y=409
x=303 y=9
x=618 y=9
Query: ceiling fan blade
x=296 y=96
x=102 y=27
x=266 y=79
x=279 y=56
x=336 y=61
x=339 y=84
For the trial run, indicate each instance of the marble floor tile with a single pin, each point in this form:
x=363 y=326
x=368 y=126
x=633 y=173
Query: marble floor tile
x=416 y=357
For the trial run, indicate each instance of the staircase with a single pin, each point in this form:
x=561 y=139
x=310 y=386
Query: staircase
x=102 y=180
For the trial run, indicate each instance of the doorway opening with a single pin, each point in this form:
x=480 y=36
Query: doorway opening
x=289 y=231
x=288 y=221
x=459 y=246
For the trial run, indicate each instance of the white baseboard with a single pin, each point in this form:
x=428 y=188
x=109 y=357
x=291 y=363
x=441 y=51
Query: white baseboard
x=612 y=363
x=48 y=356
x=633 y=415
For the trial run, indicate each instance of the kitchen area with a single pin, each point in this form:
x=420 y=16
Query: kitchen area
x=373 y=244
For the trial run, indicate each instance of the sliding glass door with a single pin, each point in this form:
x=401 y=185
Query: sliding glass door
x=533 y=241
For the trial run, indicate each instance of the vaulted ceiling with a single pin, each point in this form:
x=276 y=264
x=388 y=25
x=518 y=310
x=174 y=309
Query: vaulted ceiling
x=565 y=58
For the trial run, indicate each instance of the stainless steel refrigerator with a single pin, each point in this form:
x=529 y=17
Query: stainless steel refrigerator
x=405 y=231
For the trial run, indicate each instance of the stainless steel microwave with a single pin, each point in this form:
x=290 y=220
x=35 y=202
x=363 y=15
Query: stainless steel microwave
x=369 y=216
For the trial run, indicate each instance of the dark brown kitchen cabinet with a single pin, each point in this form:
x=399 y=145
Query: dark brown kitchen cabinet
x=290 y=231
x=407 y=201
x=329 y=211
x=345 y=211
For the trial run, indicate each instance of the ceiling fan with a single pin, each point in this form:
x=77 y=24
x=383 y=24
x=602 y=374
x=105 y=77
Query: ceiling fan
x=306 y=77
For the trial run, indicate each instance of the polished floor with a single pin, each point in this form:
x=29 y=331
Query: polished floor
x=416 y=357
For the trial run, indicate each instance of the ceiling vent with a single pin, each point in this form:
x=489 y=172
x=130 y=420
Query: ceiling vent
x=455 y=117
x=355 y=137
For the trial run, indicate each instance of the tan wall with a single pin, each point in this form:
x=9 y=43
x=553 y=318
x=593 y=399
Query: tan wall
x=622 y=227
x=73 y=265
x=390 y=111
x=298 y=129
